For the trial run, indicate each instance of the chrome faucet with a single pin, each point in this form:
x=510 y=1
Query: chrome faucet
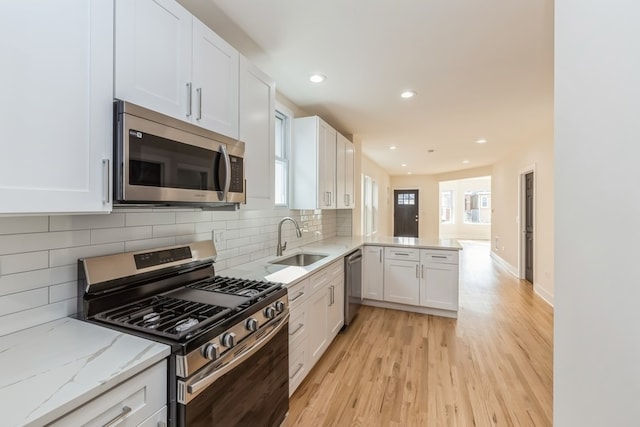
x=282 y=247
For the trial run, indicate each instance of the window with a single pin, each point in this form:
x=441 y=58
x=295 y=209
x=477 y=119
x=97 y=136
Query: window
x=283 y=132
x=406 y=199
x=477 y=207
x=370 y=211
x=446 y=207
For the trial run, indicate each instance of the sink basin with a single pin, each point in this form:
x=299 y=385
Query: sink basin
x=300 y=260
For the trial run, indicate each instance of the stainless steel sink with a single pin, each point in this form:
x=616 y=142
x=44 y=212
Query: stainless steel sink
x=300 y=260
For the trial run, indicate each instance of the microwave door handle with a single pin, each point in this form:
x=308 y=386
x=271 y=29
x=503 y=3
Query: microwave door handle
x=226 y=178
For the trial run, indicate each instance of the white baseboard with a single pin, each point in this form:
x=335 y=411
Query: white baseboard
x=544 y=294
x=510 y=268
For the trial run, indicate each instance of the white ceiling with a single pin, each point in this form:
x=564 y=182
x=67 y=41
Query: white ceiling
x=481 y=68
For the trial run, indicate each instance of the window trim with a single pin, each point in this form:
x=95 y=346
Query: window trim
x=285 y=114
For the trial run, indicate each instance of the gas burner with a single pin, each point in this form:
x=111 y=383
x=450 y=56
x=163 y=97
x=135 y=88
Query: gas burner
x=186 y=324
x=248 y=292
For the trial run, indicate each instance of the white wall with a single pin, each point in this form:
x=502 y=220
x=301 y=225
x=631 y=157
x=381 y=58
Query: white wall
x=39 y=254
x=459 y=229
x=385 y=202
x=597 y=182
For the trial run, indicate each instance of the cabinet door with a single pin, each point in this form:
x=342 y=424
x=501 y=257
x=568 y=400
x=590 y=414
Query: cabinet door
x=372 y=273
x=336 y=307
x=401 y=282
x=318 y=324
x=327 y=166
x=344 y=172
x=215 y=81
x=439 y=286
x=153 y=55
x=257 y=131
x=56 y=115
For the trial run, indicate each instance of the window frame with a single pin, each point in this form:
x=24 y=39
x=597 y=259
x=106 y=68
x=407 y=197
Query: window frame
x=285 y=115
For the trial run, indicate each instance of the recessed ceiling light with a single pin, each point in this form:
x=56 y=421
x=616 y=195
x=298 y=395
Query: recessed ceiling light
x=408 y=173
x=393 y=147
x=404 y=165
x=465 y=161
x=408 y=94
x=431 y=151
x=481 y=141
x=317 y=78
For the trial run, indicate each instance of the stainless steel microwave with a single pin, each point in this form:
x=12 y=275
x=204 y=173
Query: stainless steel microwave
x=162 y=161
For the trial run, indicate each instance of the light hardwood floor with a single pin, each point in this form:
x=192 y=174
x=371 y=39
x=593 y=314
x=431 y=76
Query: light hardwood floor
x=491 y=366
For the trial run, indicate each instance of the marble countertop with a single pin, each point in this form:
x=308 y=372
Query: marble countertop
x=334 y=248
x=49 y=370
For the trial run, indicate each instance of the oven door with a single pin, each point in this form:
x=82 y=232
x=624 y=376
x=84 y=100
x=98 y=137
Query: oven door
x=252 y=389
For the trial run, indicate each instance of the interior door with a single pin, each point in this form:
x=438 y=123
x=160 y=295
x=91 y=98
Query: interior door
x=528 y=231
x=405 y=213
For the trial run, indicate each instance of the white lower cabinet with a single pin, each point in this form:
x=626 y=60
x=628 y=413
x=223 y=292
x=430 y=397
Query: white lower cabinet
x=402 y=276
x=316 y=309
x=373 y=273
x=424 y=278
x=439 y=279
x=140 y=400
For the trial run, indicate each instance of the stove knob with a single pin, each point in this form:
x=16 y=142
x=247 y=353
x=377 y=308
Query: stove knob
x=252 y=324
x=229 y=339
x=270 y=312
x=211 y=351
x=280 y=306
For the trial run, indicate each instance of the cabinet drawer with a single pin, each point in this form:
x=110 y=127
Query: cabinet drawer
x=298 y=294
x=297 y=365
x=445 y=257
x=402 y=253
x=159 y=419
x=324 y=276
x=135 y=400
x=297 y=325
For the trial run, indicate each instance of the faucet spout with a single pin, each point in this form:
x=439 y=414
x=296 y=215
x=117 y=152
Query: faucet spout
x=281 y=247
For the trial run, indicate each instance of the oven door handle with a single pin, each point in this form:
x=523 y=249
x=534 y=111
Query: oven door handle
x=195 y=388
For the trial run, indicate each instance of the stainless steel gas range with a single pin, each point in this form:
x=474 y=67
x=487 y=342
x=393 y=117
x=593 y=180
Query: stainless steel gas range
x=229 y=337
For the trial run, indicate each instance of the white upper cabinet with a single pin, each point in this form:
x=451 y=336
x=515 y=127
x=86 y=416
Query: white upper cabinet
x=345 y=162
x=153 y=56
x=257 y=131
x=56 y=118
x=215 y=81
x=170 y=62
x=314 y=158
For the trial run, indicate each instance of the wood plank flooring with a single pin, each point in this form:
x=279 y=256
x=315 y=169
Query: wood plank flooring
x=490 y=367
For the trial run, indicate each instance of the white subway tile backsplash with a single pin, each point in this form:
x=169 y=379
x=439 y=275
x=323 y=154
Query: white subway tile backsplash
x=20 y=282
x=133 y=219
x=85 y=222
x=139 y=245
x=70 y=256
x=110 y=235
x=63 y=291
x=17 y=263
x=19 y=225
x=173 y=230
x=37 y=316
x=31 y=242
x=14 y=303
x=38 y=255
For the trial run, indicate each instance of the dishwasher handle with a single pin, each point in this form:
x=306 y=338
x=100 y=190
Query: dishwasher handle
x=354 y=257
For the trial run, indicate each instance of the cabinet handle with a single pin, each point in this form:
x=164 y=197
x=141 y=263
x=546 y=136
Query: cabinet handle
x=331 y=300
x=199 y=92
x=297 y=296
x=300 y=365
x=439 y=256
x=189 y=99
x=417 y=274
x=422 y=270
x=107 y=181
x=401 y=253
x=300 y=326
x=330 y=198
x=380 y=256
x=119 y=417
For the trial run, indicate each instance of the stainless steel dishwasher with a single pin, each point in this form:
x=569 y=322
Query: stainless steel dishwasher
x=352 y=285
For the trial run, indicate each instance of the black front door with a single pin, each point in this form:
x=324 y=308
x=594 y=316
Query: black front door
x=528 y=230
x=405 y=213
